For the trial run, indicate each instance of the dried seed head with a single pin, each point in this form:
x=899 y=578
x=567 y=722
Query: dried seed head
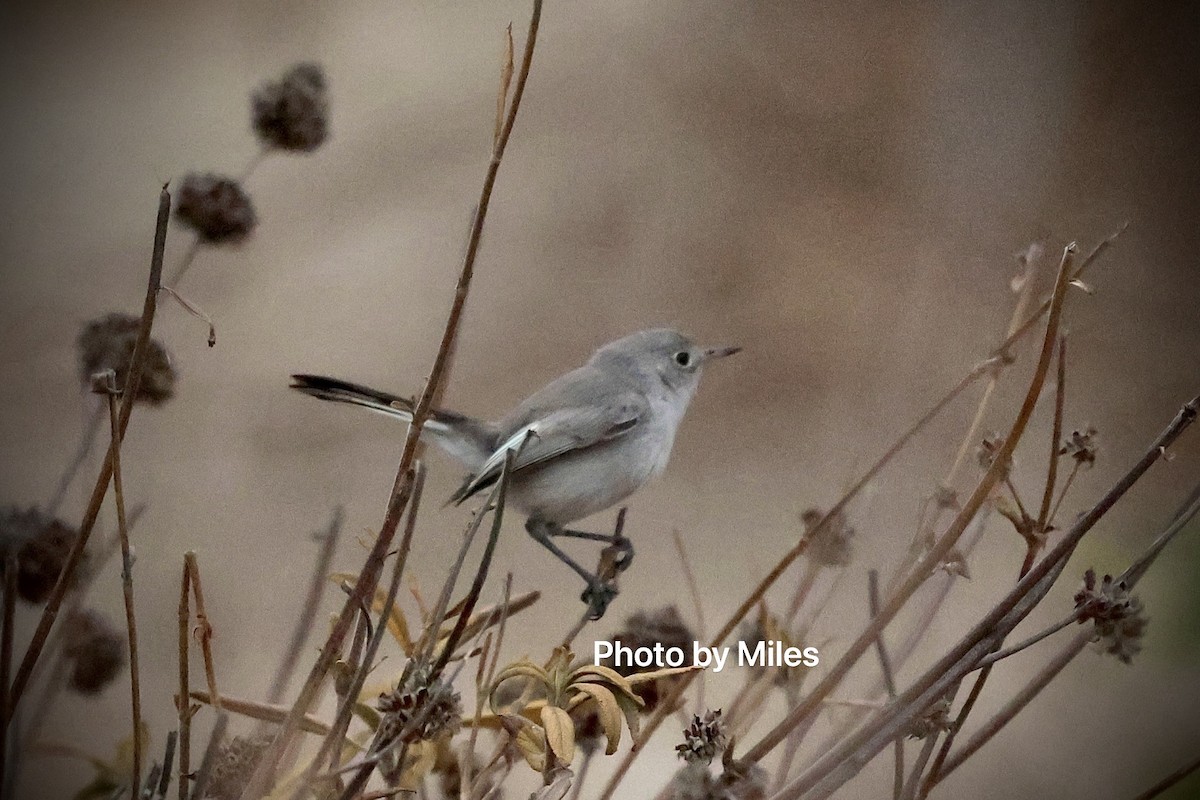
x=703 y=739
x=97 y=650
x=1119 y=622
x=1081 y=446
x=217 y=208
x=988 y=449
x=419 y=708
x=292 y=113
x=828 y=544
x=42 y=545
x=646 y=629
x=693 y=781
x=106 y=343
x=235 y=762
x=935 y=719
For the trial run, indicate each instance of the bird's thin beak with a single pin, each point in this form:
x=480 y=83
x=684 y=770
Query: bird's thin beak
x=720 y=352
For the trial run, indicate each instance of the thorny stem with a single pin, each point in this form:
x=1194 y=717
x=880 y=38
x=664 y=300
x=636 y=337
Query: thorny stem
x=126 y=582
x=943 y=546
x=996 y=356
x=369 y=575
x=137 y=364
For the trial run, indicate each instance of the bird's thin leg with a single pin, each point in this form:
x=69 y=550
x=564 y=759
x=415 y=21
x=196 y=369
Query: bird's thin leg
x=573 y=534
x=624 y=546
x=598 y=594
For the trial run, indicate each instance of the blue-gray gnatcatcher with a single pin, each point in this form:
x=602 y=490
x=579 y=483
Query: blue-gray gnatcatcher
x=587 y=440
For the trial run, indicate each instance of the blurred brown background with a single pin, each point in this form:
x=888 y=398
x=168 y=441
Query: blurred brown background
x=839 y=188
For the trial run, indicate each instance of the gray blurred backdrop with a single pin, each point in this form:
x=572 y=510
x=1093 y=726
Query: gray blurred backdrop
x=839 y=188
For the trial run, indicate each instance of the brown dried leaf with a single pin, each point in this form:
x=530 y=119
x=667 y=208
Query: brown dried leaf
x=560 y=732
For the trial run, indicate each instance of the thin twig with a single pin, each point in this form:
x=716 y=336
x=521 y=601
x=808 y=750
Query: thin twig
x=369 y=576
x=483 y=683
x=345 y=710
x=1060 y=395
x=1131 y=576
x=182 y=700
x=889 y=679
x=844 y=760
x=210 y=755
x=86 y=441
x=1000 y=655
x=312 y=602
x=1172 y=779
x=135 y=687
x=944 y=544
x=204 y=630
x=137 y=364
x=997 y=355
x=689 y=577
x=6 y=653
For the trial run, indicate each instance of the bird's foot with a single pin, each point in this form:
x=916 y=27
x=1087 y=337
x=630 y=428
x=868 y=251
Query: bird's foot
x=598 y=595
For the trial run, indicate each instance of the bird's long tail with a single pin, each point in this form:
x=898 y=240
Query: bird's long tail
x=339 y=391
x=469 y=440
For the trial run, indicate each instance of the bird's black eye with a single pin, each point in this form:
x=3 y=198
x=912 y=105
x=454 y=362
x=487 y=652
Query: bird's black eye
x=683 y=358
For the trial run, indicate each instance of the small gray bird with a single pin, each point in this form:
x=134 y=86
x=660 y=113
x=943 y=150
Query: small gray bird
x=584 y=442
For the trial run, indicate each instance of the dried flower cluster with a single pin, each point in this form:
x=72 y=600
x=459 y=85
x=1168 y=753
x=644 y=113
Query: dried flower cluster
x=1119 y=623
x=703 y=739
x=647 y=628
x=421 y=707
x=828 y=544
x=1081 y=446
x=107 y=343
x=988 y=449
x=217 y=208
x=96 y=650
x=935 y=719
x=737 y=781
x=235 y=762
x=42 y=544
x=292 y=113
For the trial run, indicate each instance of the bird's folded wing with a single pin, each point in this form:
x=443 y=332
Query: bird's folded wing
x=558 y=432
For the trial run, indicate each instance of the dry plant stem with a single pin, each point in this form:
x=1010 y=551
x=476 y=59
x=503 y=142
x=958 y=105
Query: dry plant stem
x=182 y=700
x=496 y=502
x=482 y=682
x=135 y=687
x=759 y=591
x=262 y=712
x=86 y=442
x=701 y=628
x=312 y=602
x=1033 y=545
x=942 y=547
x=1060 y=396
x=969 y=439
x=365 y=586
x=1186 y=512
x=342 y=721
x=6 y=652
x=1000 y=655
x=849 y=756
x=203 y=630
x=889 y=678
x=129 y=392
x=210 y=755
x=1169 y=781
